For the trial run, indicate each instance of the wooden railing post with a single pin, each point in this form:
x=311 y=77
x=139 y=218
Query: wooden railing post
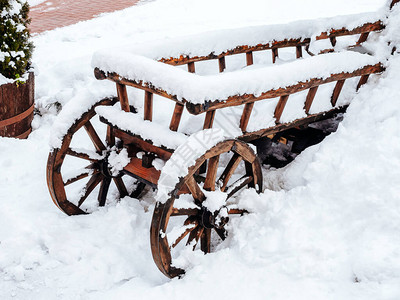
x=148 y=106
x=123 y=96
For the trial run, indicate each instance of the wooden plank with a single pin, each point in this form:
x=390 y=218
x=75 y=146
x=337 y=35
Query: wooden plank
x=244 y=119
x=141 y=144
x=249 y=58
x=336 y=91
x=221 y=64
x=148 y=106
x=176 y=117
x=191 y=67
x=209 y=119
x=310 y=98
x=301 y=86
x=274 y=54
x=299 y=51
x=123 y=96
x=148 y=175
x=280 y=107
x=363 y=80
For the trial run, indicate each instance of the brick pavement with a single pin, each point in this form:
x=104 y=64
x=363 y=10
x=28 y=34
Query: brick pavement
x=58 y=13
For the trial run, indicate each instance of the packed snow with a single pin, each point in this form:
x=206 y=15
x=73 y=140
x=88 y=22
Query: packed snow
x=326 y=226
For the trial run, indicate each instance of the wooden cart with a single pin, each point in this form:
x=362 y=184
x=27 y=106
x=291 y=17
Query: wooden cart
x=192 y=211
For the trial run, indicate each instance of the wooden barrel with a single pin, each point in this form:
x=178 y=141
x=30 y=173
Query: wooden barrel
x=16 y=108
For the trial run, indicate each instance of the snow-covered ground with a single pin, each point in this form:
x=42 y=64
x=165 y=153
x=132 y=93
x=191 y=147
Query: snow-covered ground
x=328 y=227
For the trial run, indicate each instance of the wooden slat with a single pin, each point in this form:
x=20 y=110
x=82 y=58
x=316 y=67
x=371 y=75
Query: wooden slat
x=299 y=51
x=249 y=58
x=209 y=119
x=176 y=117
x=244 y=119
x=280 y=107
x=310 y=98
x=363 y=80
x=148 y=106
x=191 y=67
x=123 y=96
x=221 y=64
x=336 y=91
x=274 y=54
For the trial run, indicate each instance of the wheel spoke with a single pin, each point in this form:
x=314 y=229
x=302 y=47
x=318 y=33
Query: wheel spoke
x=121 y=187
x=184 y=211
x=104 y=186
x=236 y=211
x=138 y=190
x=195 y=190
x=188 y=230
x=98 y=144
x=92 y=183
x=238 y=185
x=209 y=184
x=84 y=154
x=79 y=177
x=221 y=232
x=195 y=235
x=206 y=240
x=229 y=170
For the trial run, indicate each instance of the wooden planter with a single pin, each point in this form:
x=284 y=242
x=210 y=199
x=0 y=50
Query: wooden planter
x=16 y=108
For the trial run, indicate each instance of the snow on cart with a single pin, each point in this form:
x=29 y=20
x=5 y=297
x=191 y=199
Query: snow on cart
x=201 y=136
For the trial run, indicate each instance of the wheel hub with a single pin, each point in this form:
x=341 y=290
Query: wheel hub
x=212 y=220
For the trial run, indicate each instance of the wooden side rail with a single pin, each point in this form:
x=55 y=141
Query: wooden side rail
x=363 y=30
x=301 y=86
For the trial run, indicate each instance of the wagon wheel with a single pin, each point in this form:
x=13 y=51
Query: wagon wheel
x=231 y=166
x=89 y=169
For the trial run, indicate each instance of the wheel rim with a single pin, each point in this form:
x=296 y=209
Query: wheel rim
x=201 y=218
x=95 y=171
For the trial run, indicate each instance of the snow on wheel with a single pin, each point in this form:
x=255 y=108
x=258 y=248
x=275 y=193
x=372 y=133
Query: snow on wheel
x=80 y=172
x=197 y=209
